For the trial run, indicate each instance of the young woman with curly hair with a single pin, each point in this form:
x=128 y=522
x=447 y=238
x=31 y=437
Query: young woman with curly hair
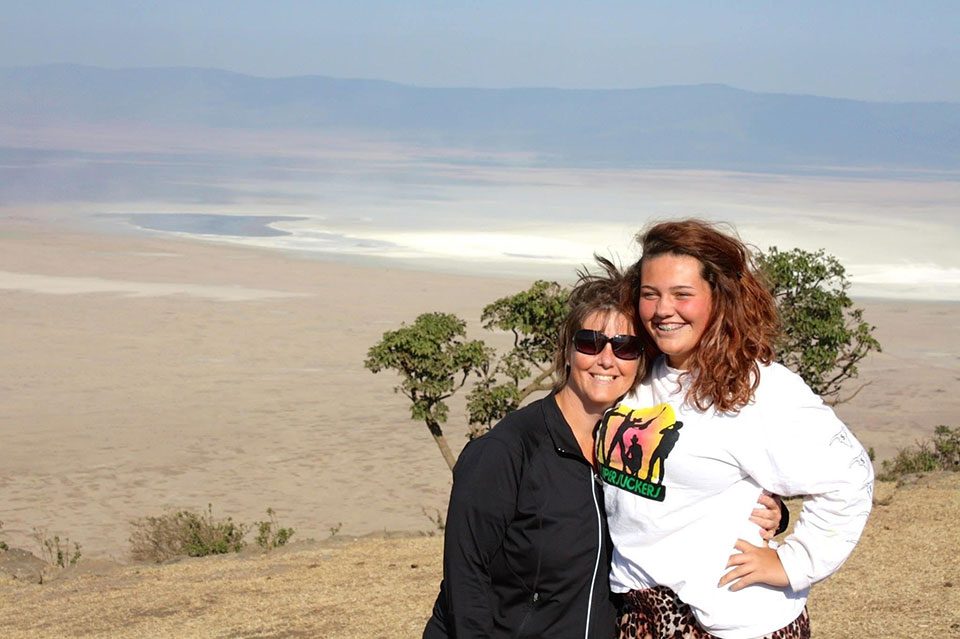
x=714 y=423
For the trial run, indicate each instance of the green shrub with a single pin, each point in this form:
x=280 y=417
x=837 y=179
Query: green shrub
x=942 y=452
x=270 y=534
x=185 y=533
x=56 y=550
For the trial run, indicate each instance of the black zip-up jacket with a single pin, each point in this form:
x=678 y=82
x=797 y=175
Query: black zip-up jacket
x=526 y=550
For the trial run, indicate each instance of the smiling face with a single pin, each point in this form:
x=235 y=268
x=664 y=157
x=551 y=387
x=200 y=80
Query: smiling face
x=600 y=380
x=675 y=305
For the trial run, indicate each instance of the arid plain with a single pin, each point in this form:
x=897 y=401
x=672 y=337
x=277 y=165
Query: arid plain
x=379 y=586
x=145 y=373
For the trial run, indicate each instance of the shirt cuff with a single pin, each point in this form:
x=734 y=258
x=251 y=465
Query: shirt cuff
x=794 y=564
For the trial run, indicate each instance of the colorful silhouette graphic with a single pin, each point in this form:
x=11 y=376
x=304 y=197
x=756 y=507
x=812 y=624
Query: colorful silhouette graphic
x=630 y=425
x=668 y=439
x=633 y=457
x=633 y=446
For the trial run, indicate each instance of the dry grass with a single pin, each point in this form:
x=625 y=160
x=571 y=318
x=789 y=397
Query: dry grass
x=903 y=581
x=349 y=589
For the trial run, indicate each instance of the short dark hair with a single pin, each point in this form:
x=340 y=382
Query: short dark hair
x=605 y=292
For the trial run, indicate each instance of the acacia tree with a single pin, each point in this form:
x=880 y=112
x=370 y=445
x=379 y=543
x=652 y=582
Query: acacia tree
x=433 y=361
x=824 y=336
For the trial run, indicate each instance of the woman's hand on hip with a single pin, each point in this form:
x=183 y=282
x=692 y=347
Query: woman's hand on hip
x=754 y=565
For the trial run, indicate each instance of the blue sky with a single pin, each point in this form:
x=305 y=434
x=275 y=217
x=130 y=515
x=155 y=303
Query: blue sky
x=873 y=50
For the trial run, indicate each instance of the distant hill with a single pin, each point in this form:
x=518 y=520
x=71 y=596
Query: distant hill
x=704 y=126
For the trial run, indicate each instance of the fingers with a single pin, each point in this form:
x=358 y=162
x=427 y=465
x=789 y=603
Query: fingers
x=752 y=565
x=743 y=576
x=737 y=559
x=747 y=580
x=766 y=525
x=744 y=546
x=763 y=516
x=729 y=576
x=743 y=564
x=768 y=502
x=767 y=517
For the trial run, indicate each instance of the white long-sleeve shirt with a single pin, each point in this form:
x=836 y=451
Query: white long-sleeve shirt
x=680 y=484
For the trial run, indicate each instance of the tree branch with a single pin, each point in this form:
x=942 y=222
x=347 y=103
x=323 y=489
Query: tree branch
x=837 y=400
x=536 y=384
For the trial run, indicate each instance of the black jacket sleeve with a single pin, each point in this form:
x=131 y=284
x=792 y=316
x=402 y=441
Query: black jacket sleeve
x=784 y=516
x=483 y=503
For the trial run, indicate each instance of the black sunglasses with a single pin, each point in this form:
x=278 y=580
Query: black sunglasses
x=592 y=342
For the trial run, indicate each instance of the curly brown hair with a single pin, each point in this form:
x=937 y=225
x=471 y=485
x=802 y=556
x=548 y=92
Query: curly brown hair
x=744 y=322
x=605 y=292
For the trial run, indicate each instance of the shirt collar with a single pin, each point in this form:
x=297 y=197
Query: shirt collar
x=559 y=430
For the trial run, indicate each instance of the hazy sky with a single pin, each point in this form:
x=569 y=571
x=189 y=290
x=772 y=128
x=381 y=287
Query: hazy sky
x=865 y=49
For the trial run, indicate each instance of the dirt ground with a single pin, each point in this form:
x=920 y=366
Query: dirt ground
x=142 y=374
x=902 y=581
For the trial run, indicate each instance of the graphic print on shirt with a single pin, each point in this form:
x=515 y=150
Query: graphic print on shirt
x=633 y=445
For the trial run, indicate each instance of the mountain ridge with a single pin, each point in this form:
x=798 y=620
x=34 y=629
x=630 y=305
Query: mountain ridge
x=691 y=126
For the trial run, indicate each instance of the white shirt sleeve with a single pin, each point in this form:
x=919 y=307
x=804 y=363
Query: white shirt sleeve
x=802 y=448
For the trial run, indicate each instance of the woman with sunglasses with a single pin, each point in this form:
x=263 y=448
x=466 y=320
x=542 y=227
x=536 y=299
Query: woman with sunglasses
x=729 y=423
x=526 y=549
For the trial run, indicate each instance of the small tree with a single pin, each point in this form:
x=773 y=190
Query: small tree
x=434 y=361
x=533 y=317
x=824 y=336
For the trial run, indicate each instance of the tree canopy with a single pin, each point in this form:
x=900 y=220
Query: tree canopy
x=824 y=337
x=533 y=317
x=434 y=361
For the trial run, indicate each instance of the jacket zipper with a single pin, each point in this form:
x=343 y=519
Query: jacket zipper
x=534 y=600
x=596 y=508
x=596 y=565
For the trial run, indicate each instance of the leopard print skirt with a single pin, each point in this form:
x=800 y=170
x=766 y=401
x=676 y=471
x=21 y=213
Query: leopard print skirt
x=657 y=613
